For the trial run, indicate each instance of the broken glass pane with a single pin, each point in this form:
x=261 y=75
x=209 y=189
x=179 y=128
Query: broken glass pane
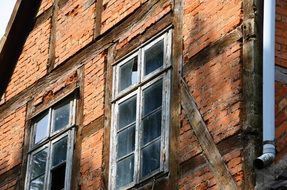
x=128 y=74
x=61 y=116
x=58 y=177
x=38 y=183
x=150 y=159
x=39 y=161
x=126 y=141
x=41 y=128
x=153 y=57
x=125 y=171
x=151 y=127
x=152 y=97
x=59 y=151
x=127 y=112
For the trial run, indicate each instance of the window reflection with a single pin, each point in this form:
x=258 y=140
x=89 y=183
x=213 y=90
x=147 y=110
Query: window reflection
x=128 y=74
x=154 y=57
x=41 y=128
x=61 y=117
x=39 y=163
x=127 y=112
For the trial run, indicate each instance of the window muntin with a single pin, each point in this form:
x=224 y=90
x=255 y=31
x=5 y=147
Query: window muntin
x=141 y=116
x=50 y=154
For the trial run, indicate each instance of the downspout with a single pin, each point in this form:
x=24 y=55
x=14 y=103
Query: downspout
x=268 y=86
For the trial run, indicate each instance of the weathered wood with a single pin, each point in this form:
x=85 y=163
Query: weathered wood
x=79 y=125
x=44 y=16
x=229 y=144
x=217 y=165
x=108 y=113
x=214 y=49
x=251 y=86
x=191 y=165
x=98 y=19
x=52 y=40
x=93 y=127
x=26 y=143
x=175 y=109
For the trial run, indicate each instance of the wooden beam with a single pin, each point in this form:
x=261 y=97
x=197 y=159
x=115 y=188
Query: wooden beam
x=108 y=113
x=216 y=163
x=251 y=116
x=52 y=41
x=98 y=19
x=175 y=108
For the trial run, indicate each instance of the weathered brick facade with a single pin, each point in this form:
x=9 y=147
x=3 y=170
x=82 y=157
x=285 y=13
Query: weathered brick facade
x=216 y=80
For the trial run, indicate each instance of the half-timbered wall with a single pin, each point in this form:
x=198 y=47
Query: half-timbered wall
x=215 y=108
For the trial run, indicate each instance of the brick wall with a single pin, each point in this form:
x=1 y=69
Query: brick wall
x=114 y=11
x=12 y=137
x=280 y=87
x=215 y=81
x=281 y=118
x=281 y=35
x=74 y=27
x=91 y=161
x=32 y=63
x=94 y=88
x=76 y=40
x=207 y=21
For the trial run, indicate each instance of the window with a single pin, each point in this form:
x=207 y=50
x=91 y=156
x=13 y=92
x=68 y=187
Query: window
x=140 y=120
x=51 y=148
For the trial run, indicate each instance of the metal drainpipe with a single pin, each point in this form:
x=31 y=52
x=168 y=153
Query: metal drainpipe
x=268 y=86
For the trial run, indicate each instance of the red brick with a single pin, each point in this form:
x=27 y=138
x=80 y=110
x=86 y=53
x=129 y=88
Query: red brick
x=12 y=137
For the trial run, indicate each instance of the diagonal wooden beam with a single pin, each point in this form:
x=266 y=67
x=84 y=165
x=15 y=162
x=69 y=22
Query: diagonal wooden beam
x=216 y=163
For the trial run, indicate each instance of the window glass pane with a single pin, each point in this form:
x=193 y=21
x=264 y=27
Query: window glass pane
x=61 y=116
x=152 y=97
x=59 y=151
x=39 y=163
x=150 y=158
x=58 y=177
x=127 y=112
x=125 y=171
x=38 y=183
x=41 y=128
x=126 y=141
x=128 y=74
x=151 y=127
x=153 y=57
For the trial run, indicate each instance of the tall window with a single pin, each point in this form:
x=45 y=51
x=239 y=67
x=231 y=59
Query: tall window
x=51 y=148
x=140 y=121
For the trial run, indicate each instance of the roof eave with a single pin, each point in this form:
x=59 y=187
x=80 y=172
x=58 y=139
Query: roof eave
x=11 y=44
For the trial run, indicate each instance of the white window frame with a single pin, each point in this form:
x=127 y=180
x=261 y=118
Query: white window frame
x=53 y=137
x=163 y=73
